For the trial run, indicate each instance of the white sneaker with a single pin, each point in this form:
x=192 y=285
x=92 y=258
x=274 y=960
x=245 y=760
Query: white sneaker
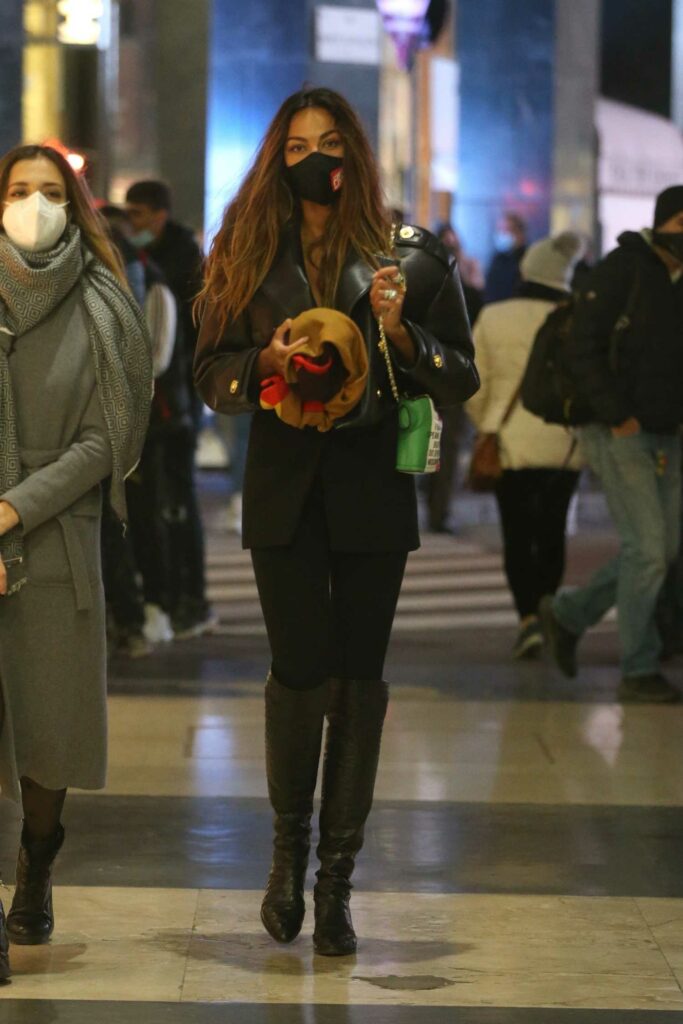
x=157 y=628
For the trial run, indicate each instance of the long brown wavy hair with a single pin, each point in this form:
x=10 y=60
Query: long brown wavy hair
x=246 y=244
x=81 y=204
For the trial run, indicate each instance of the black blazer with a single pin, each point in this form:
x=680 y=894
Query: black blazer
x=370 y=506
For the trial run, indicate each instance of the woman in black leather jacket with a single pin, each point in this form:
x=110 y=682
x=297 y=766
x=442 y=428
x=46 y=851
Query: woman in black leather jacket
x=328 y=518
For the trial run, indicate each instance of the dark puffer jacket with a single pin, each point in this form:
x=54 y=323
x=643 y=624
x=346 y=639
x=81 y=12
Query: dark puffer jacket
x=641 y=375
x=180 y=259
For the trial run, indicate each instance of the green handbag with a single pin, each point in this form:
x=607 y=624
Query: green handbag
x=419 y=424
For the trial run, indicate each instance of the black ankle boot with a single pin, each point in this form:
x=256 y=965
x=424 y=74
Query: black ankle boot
x=355 y=718
x=294 y=724
x=30 y=921
x=5 y=971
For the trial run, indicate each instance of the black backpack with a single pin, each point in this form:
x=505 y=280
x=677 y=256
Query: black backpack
x=548 y=388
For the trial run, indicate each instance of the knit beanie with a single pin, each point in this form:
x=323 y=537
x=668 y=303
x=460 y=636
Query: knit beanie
x=669 y=203
x=552 y=260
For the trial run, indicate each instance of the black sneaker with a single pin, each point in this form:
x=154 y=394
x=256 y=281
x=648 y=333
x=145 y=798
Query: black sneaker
x=650 y=689
x=561 y=642
x=529 y=641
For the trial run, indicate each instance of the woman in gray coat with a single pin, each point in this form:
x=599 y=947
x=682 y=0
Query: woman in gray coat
x=75 y=387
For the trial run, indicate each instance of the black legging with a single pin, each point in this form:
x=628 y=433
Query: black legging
x=533 y=506
x=328 y=613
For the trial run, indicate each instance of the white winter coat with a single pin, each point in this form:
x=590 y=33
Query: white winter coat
x=503 y=336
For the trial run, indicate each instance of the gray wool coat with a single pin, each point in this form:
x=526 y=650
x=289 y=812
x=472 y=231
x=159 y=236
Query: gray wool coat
x=52 y=631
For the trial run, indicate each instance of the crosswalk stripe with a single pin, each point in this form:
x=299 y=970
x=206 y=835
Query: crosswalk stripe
x=449 y=585
x=234 y=591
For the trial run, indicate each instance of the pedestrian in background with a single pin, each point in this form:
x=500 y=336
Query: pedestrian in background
x=139 y=617
x=328 y=518
x=71 y=333
x=439 y=486
x=178 y=408
x=633 y=380
x=510 y=242
x=540 y=463
x=469 y=268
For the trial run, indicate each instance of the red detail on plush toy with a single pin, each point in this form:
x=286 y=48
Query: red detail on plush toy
x=313 y=406
x=274 y=390
x=304 y=363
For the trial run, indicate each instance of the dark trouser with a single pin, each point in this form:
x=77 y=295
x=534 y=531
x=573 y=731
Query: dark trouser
x=533 y=506
x=185 y=525
x=146 y=495
x=119 y=574
x=166 y=523
x=328 y=613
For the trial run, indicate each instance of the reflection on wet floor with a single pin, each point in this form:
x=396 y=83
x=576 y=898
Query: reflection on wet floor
x=522 y=861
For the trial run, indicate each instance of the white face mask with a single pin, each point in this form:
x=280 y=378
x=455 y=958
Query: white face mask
x=34 y=223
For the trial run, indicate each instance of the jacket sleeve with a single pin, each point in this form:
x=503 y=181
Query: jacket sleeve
x=51 y=490
x=599 y=305
x=224 y=365
x=444 y=366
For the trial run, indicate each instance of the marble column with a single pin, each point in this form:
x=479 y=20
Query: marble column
x=182 y=66
x=11 y=43
x=577 y=72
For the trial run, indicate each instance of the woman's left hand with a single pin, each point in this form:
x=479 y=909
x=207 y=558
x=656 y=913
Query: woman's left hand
x=387 y=295
x=9 y=517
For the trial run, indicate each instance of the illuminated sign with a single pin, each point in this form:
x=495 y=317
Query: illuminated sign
x=404 y=20
x=405 y=15
x=82 y=23
x=347 y=35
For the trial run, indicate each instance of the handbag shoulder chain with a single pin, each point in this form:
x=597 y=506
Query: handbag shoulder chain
x=383 y=344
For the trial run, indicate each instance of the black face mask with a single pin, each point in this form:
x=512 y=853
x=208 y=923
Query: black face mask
x=672 y=241
x=317 y=178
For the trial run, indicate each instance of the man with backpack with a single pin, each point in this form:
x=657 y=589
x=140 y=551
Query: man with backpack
x=626 y=357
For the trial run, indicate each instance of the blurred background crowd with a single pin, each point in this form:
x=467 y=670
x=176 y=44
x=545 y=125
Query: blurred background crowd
x=501 y=127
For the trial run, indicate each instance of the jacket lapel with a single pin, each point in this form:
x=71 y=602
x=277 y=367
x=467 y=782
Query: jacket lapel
x=286 y=285
x=354 y=283
x=287 y=289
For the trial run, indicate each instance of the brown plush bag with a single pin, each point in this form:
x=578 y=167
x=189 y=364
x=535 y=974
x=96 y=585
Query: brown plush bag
x=485 y=466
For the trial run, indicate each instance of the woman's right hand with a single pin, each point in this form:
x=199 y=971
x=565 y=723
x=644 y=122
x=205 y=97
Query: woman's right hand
x=272 y=358
x=3 y=578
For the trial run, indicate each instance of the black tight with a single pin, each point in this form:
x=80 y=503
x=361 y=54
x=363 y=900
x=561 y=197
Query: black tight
x=42 y=809
x=328 y=613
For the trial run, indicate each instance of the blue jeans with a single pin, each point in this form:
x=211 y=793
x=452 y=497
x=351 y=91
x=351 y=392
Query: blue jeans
x=641 y=477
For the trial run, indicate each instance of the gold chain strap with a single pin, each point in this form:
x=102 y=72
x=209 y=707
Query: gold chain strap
x=383 y=344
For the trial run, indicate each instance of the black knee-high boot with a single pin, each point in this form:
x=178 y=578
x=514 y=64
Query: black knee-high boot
x=294 y=724
x=30 y=921
x=355 y=718
x=5 y=971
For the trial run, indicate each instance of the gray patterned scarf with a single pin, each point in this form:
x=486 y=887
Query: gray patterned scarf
x=32 y=285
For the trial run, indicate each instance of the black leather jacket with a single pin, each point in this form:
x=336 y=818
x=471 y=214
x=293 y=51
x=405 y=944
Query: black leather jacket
x=434 y=314
x=370 y=506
